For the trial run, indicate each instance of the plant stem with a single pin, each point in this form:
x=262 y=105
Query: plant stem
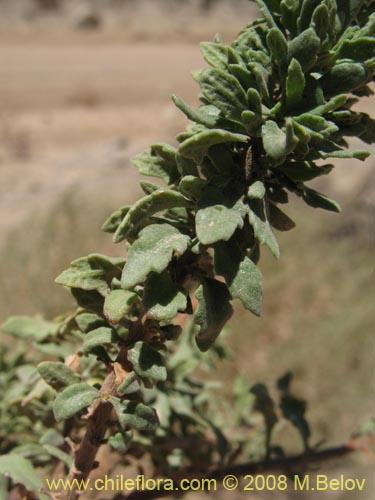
x=97 y=424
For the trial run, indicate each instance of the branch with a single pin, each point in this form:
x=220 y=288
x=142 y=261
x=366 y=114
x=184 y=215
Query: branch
x=241 y=469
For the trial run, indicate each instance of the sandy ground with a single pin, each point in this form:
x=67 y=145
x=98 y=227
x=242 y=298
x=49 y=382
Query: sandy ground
x=75 y=112
x=75 y=109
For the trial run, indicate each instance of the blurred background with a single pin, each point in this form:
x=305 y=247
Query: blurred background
x=84 y=85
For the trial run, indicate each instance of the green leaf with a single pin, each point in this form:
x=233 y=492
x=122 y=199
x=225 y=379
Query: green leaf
x=266 y=13
x=205 y=115
x=160 y=200
x=242 y=276
x=147 y=362
x=135 y=415
x=118 y=303
x=197 y=146
x=304 y=48
x=277 y=44
x=302 y=171
x=358 y=154
x=149 y=187
x=89 y=321
x=130 y=385
x=345 y=77
x=26 y=327
x=317 y=126
x=213 y=311
x=158 y=161
x=359 y=50
x=307 y=10
x=21 y=471
x=89 y=299
x=295 y=84
x=94 y=272
x=318 y=200
x=121 y=441
x=262 y=229
x=256 y=191
x=276 y=142
x=216 y=54
x=336 y=102
x=279 y=220
x=55 y=452
x=223 y=91
x=320 y=21
x=191 y=186
x=100 y=337
x=254 y=101
x=114 y=220
x=162 y=298
x=58 y=375
x=218 y=222
x=73 y=399
x=289 y=12
x=152 y=251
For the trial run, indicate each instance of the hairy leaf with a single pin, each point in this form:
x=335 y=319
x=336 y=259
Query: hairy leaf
x=216 y=54
x=242 y=276
x=73 y=399
x=94 y=272
x=117 y=304
x=218 y=222
x=162 y=298
x=100 y=337
x=262 y=229
x=318 y=200
x=223 y=91
x=147 y=362
x=158 y=161
x=295 y=84
x=26 y=327
x=21 y=471
x=135 y=414
x=197 y=146
x=213 y=311
x=149 y=205
x=58 y=375
x=304 y=48
x=152 y=251
x=276 y=142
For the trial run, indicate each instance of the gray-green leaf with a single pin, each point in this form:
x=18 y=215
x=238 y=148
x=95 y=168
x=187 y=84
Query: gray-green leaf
x=135 y=414
x=94 y=272
x=223 y=91
x=213 y=311
x=242 y=276
x=276 y=142
x=218 y=222
x=26 y=327
x=262 y=229
x=152 y=251
x=160 y=200
x=22 y=471
x=147 y=362
x=58 y=375
x=99 y=337
x=117 y=304
x=162 y=298
x=295 y=84
x=197 y=146
x=73 y=399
